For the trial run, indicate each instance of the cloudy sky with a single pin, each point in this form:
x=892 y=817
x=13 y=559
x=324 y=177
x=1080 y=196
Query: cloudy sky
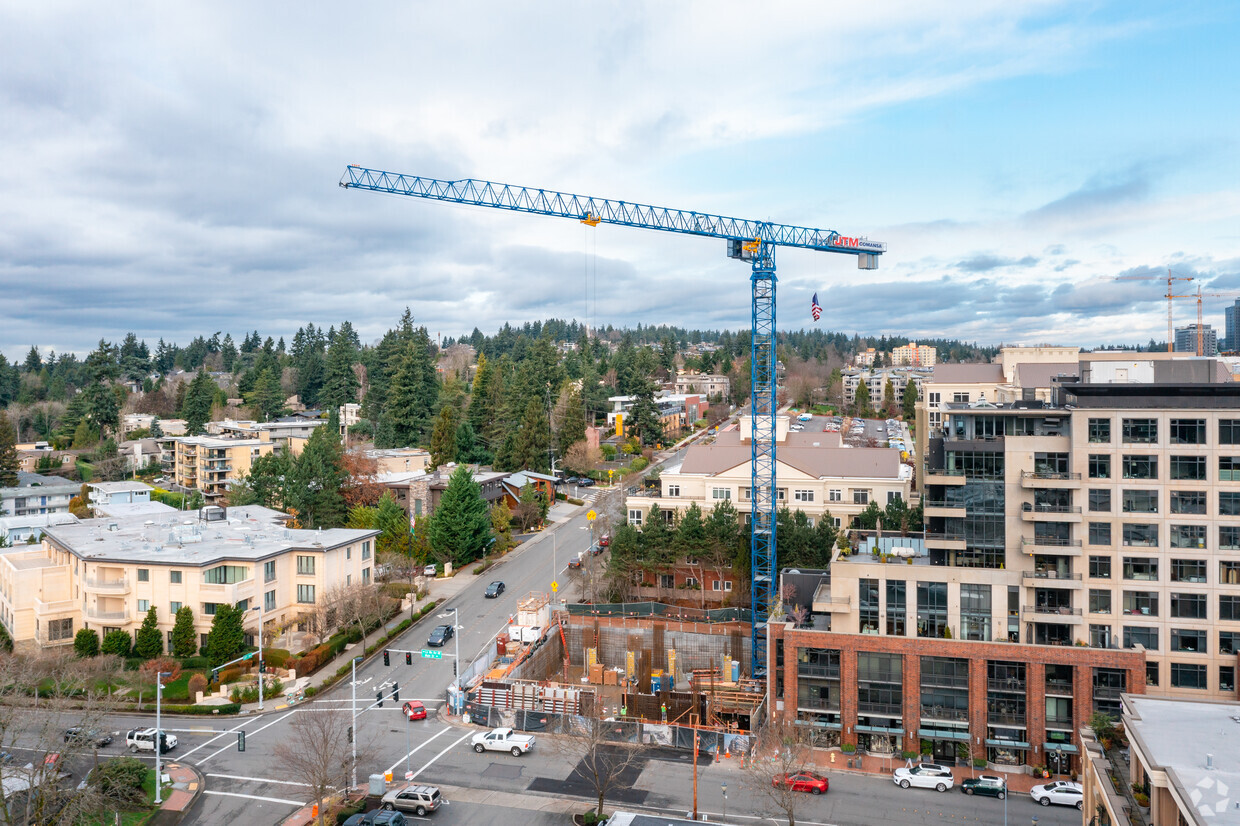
x=172 y=168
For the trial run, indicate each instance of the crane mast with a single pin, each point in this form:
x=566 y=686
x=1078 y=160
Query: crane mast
x=748 y=240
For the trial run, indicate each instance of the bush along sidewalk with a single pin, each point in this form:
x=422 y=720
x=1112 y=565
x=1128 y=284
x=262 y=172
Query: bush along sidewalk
x=401 y=628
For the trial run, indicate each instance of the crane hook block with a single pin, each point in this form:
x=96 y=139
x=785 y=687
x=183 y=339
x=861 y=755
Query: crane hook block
x=591 y=220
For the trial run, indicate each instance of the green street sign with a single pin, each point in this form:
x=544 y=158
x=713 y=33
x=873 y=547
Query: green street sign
x=428 y=654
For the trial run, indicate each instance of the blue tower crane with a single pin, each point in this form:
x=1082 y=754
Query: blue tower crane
x=752 y=241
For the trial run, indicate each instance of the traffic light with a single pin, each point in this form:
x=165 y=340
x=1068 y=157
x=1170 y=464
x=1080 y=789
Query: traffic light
x=379 y=698
x=241 y=741
x=408 y=658
x=386 y=659
x=215 y=674
x=395 y=693
x=262 y=666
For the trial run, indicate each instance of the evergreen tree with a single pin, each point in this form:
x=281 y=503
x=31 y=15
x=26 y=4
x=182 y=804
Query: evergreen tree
x=443 y=439
x=531 y=442
x=461 y=528
x=862 y=404
x=116 y=642
x=184 y=637
x=413 y=392
x=267 y=398
x=390 y=518
x=692 y=537
x=910 y=401
x=889 y=399
x=573 y=428
x=228 y=353
x=226 y=639
x=86 y=643
x=33 y=362
x=198 y=398
x=150 y=642
x=9 y=461
x=644 y=415
x=340 y=383
x=317 y=476
x=468 y=448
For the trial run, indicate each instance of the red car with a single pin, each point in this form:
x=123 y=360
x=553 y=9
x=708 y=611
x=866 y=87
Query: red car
x=803 y=782
x=604 y=540
x=414 y=710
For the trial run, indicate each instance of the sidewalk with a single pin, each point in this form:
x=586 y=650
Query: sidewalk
x=187 y=786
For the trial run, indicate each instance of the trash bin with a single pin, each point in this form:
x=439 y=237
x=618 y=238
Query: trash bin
x=377 y=786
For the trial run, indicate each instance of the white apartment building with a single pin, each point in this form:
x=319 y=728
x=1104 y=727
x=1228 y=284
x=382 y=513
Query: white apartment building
x=106 y=573
x=36 y=495
x=814 y=474
x=118 y=493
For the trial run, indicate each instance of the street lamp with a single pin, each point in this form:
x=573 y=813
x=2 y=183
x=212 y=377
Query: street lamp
x=259 y=609
x=456 y=672
x=353 y=739
x=159 y=737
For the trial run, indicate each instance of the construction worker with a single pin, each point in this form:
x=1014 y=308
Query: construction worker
x=624 y=711
x=663 y=708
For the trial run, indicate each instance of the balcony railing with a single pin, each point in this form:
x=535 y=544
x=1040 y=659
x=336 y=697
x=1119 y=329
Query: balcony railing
x=1048 y=575
x=1058 y=687
x=824 y=672
x=1049 y=474
x=953 y=715
x=100 y=615
x=59 y=606
x=1063 y=721
x=818 y=703
x=1061 y=610
x=1010 y=684
x=1050 y=542
x=117 y=586
x=944 y=537
x=1005 y=718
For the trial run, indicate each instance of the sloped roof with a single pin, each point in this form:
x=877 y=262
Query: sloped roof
x=1034 y=374
x=818 y=462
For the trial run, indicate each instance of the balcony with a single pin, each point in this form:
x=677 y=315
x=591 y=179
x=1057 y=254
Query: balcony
x=1043 y=479
x=944 y=509
x=1060 y=688
x=946 y=715
x=817 y=704
x=231 y=593
x=94 y=585
x=1050 y=545
x=953 y=541
x=944 y=476
x=1005 y=718
x=1050 y=513
x=824 y=603
x=1010 y=685
x=1051 y=579
x=60 y=606
x=1057 y=614
x=821 y=672
x=97 y=614
x=1107 y=692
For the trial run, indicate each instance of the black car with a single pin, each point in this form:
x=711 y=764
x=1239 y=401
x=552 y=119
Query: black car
x=494 y=589
x=378 y=817
x=440 y=634
x=80 y=736
x=585 y=482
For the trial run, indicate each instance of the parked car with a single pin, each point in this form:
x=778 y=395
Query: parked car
x=502 y=739
x=430 y=570
x=925 y=776
x=1060 y=792
x=379 y=817
x=79 y=736
x=440 y=635
x=494 y=589
x=144 y=740
x=585 y=482
x=417 y=798
x=414 y=710
x=985 y=784
x=802 y=782
x=604 y=540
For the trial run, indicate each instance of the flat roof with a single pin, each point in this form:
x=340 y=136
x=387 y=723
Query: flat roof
x=250 y=533
x=121 y=509
x=119 y=487
x=1176 y=736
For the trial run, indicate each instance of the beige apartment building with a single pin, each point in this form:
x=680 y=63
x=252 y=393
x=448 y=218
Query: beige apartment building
x=1106 y=516
x=106 y=573
x=210 y=464
x=914 y=355
x=813 y=473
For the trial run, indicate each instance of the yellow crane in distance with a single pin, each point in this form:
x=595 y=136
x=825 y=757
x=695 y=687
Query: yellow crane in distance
x=1169 y=296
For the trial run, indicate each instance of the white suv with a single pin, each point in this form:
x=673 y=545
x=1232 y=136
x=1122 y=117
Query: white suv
x=925 y=776
x=144 y=740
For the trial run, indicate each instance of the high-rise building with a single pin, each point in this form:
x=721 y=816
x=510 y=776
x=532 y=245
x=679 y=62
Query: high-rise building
x=1186 y=340
x=1231 y=317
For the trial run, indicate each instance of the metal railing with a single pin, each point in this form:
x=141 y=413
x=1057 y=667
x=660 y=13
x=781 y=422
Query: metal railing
x=1012 y=685
x=826 y=672
x=1051 y=542
x=121 y=584
x=1048 y=575
x=1055 y=610
x=1049 y=474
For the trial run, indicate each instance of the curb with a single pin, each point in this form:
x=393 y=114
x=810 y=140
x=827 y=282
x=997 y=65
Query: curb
x=171 y=817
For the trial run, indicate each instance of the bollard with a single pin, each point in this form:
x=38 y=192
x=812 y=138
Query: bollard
x=314 y=811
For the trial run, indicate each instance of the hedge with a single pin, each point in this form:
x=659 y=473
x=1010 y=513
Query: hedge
x=195 y=662
x=276 y=657
x=226 y=708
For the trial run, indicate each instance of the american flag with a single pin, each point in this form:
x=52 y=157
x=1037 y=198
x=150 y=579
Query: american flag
x=815 y=309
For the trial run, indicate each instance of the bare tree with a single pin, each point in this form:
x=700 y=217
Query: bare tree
x=782 y=748
x=602 y=763
x=317 y=751
x=359 y=604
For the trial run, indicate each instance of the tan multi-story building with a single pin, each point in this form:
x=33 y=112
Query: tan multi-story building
x=106 y=573
x=813 y=473
x=400 y=459
x=914 y=355
x=210 y=464
x=704 y=384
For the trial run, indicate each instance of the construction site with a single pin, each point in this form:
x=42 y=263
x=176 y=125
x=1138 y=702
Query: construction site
x=660 y=672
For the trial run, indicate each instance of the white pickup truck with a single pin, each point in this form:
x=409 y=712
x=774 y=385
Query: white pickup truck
x=503 y=739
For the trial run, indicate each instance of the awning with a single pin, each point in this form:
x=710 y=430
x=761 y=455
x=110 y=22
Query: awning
x=879 y=730
x=942 y=734
x=1007 y=744
x=1067 y=748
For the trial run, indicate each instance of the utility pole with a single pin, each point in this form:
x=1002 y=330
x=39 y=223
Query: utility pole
x=353 y=739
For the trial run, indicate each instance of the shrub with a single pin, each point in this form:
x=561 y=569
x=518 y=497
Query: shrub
x=197 y=683
x=120 y=779
x=640 y=464
x=133 y=663
x=396 y=590
x=230 y=675
x=151 y=668
x=86 y=643
x=195 y=662
x=979 y=762
x=274 y=690
x=276 y=657
x=116 y=642
x=848 y=748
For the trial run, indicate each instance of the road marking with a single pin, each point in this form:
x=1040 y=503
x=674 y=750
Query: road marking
x=193 y=730
x=258 y=779
x=248 y=734
x=416 y=748
x=296 y=803
x=428 y=763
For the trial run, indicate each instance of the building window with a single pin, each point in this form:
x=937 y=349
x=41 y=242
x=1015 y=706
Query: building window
x=61 y=629
x=1227 y=678
x=960 y=398
x=867 y=605
x=305 y=594
x=727 y=585
x=1141 y=568
x=1229 y=573
x=305 y=565
x=1151 y=673
x=1140 y=467
x=719 y=494
x=1140 y=501
x=673 y=490
x=975 y=612
x=931 y=608
x=1188 y=606
x=1140 y=536
x=635 y=517
x=1189 y=468
x=173 y=607
x=366 y=550
x=715 y=585
x=348 y=552
x=897 y=607
x=269 y=601
x=803 y=496
x=1099 y=533
x=1099 y=500
x=144 y=605
x=1188 y=536
x=1228 y=642
x=1099 y=636
x=1188 y=501
x=667 y=581
x=1184 y=675
x=1229 y=431
x=1229 y=503
x=144 y=575
x=1184 y=639
x=269 y=570
x=1100 y=567
x=1229 y=538
x=1100 y=431
x=174 y=577
x=1228 y=607
x=838 y=496
x=1099 y=466
x=1135 y=635
x=1188 y=570
x=1228 y=468
x=1099 y=601
x=861 y=496
x=226 y=574
x=1140 y=431
x=1188 y=431
x=934 y=399
x=1144 y=603
x=208 y=608
x=365 y=576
